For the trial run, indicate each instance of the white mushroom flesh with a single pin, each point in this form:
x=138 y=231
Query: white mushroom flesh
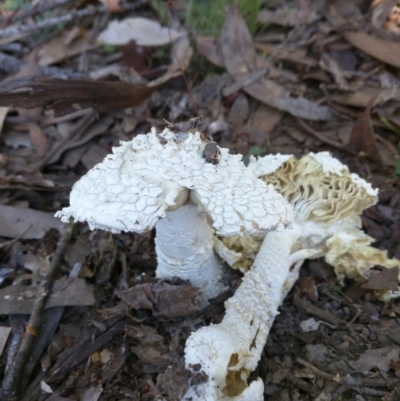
x=188 y=253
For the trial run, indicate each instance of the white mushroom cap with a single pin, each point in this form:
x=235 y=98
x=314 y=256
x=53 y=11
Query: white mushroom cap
x=154 y=173
x=321 y=191
x=267 y=164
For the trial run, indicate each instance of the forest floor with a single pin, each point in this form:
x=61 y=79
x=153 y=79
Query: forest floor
x=288 y=77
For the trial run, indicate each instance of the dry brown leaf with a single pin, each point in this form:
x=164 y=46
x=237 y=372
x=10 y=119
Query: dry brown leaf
x=26 y=223
x=182 y=53
x=237 y=46
x=362 y=138
x=210 y=48
x=380 y=358
x=380 y=11
x=72 y=95
x=264 y=119
x=387 y=279
x=20 y=299
x=61 y=47
x=144 y=31
x=287 y=16
x=238 y=113
x=394 y=118
x=125 y=74
x=361 y=98
x=73 y=141
x=173 y=301
x=382 y=49
x=174 y=382
x=36 y=264
x=240 y=59
x=93 y=393
x=329 y=64
x=3 y=114
x=113 y=362
x=103 y=96
x=307 y=285
x=39 y=140
x=94 y=154
x=24 y=177
x=134 y=56
x=355 y=292
x=112 y=5
x=274 y=95
x=73 y=156
x=293 y=55
x=4 y=333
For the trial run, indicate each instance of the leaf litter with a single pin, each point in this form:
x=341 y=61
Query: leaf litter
x=315 y=76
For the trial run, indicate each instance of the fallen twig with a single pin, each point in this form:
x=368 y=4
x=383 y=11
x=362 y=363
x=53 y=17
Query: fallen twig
x=348 y=381
x=51 y=320
x=80 y=127
x=12 y=65
x=302 y=384
x=248 y=79
x=39 y=8
x=325 y=140
x=11 y=383
x=62 y=19
x=85 y=349
x=321 y=314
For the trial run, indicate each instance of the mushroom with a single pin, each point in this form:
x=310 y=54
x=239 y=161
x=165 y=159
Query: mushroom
x=327 y=201
x=186 y=187
x=341 y=241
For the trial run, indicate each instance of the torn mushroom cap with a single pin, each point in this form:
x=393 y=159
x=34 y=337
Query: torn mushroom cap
x=320 y=189
x=154 y=173
x=350 y=252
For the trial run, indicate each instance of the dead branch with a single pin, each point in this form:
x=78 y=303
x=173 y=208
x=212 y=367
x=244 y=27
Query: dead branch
x=11 y=383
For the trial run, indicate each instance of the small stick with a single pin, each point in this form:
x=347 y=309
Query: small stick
x=80 y=127
x=62 y=19
x=321 y=314
x=348 y=381
x=248 y=79
x=11 y=387
x=189 y=90
x=329 y=142
x=40 y=8
x=12 y=65
x=302 y=384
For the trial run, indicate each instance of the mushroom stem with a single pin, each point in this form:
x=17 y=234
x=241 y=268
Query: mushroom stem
x=229 y=352
x=184 y=246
